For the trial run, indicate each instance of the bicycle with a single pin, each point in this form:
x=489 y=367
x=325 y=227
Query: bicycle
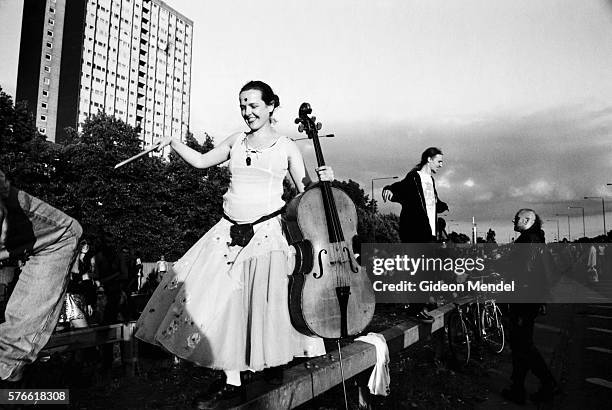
x=479 y=321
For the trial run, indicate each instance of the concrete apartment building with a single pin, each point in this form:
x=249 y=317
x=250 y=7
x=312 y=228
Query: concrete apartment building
x=128 y=58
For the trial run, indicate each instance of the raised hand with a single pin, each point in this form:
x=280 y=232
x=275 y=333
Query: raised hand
x=163 y=142
x=387 y=195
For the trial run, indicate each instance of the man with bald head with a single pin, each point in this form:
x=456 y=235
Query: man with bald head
x=525 y=355
x=529 y=225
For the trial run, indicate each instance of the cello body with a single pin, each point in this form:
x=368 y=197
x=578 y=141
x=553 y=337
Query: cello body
x=329 y=296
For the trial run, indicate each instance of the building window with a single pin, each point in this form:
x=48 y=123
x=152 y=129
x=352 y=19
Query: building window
x=47 y=81
x=43 y=118
x=51 y=22
x=49 y=44
x=43 y=105
x=52 y=10
x=48 y=56
x=45 y=93
x=42 y=130
x=47 y=69
x=50 y=33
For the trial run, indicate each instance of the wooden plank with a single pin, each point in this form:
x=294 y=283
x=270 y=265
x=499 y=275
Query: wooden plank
x=129 y=349
x=91 y=336
x=305 y=381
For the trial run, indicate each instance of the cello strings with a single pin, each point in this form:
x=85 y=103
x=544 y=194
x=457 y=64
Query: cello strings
x=341 y=280
x=344 y=281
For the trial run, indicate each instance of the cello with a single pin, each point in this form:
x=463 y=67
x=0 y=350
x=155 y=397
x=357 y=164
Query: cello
x=329 y=295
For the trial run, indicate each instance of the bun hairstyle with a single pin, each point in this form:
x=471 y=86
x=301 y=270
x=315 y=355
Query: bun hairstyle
x=267 y=95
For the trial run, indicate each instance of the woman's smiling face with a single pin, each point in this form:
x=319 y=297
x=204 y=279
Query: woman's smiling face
x=254 y=110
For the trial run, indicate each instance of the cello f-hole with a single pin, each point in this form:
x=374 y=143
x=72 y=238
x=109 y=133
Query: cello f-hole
x=320 y=258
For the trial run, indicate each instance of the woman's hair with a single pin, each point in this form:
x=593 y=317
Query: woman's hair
x=267 y=95
x=428 y=153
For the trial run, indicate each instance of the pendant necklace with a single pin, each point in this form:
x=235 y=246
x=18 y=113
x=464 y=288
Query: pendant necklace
x=249 y=151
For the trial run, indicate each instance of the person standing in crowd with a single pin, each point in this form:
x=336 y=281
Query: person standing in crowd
x=126 y=279
x=224 y=305
x=161 y=267
x=108 y=275
x=46 y=240
x=525 y=355
x=420 y=208
x=139 y=272
x=80 y=296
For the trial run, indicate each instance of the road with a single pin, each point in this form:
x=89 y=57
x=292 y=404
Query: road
x=576 y=341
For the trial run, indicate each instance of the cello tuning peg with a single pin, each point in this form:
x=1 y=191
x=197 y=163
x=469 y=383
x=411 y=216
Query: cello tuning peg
x=319 y=125
x=301 y=128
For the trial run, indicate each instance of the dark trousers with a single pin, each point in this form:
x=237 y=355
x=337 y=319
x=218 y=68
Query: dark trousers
x=409 y=237
x=525 y=355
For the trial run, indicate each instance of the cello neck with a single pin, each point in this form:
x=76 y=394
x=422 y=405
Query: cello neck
x=309 y=125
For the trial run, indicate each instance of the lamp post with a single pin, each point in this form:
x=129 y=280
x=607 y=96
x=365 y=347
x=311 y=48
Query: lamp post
x=583 y=226
x=555 y=220
x=377 y=179
x=569 y=231
x=603 y=210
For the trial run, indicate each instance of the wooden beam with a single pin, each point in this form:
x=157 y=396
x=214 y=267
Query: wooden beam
x=305 y=381
x=96 y=336
x=82 y=338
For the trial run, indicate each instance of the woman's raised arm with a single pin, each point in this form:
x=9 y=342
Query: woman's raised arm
x=215 y=156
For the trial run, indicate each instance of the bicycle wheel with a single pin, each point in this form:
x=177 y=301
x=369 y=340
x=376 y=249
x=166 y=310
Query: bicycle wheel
x=458 y=338
x=492 y=328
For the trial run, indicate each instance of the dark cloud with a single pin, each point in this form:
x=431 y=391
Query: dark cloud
x=545 y=160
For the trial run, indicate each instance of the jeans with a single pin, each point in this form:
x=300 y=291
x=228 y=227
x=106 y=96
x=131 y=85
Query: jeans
x=49 y=239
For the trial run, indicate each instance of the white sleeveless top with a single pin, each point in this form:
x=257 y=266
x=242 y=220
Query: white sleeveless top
x=255 y=190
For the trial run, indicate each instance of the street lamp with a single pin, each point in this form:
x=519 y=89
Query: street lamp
x=556 y=220
x=377 y=179
x=583 y=227
x=569 y=232
x=603 y=210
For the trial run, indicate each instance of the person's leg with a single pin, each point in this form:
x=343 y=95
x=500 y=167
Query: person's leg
x=520 y=365
x=222 y=395
x=49 y=238
x=419 y=312
x=111 y=309
x=540 y=369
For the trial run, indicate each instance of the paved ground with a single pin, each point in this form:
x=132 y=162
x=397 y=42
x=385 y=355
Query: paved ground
x=576 y=340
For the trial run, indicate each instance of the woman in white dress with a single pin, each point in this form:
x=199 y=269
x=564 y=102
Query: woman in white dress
x=224 y=305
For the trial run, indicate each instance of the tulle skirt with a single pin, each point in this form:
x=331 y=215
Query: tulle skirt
x=227 y=307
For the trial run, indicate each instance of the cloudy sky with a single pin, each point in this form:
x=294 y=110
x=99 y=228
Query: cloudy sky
x=517 y=93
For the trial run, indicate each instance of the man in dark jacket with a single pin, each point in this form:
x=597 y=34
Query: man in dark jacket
x=420 y=207
x=525 y=355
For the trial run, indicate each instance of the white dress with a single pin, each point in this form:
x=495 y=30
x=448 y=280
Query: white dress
x=227 y=307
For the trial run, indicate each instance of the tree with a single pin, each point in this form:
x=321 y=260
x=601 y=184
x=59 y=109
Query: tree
x=196 y=198
x=122 y=203
x=491 y=236
x=458 y=237
x=24 y=153
x=352 y=189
